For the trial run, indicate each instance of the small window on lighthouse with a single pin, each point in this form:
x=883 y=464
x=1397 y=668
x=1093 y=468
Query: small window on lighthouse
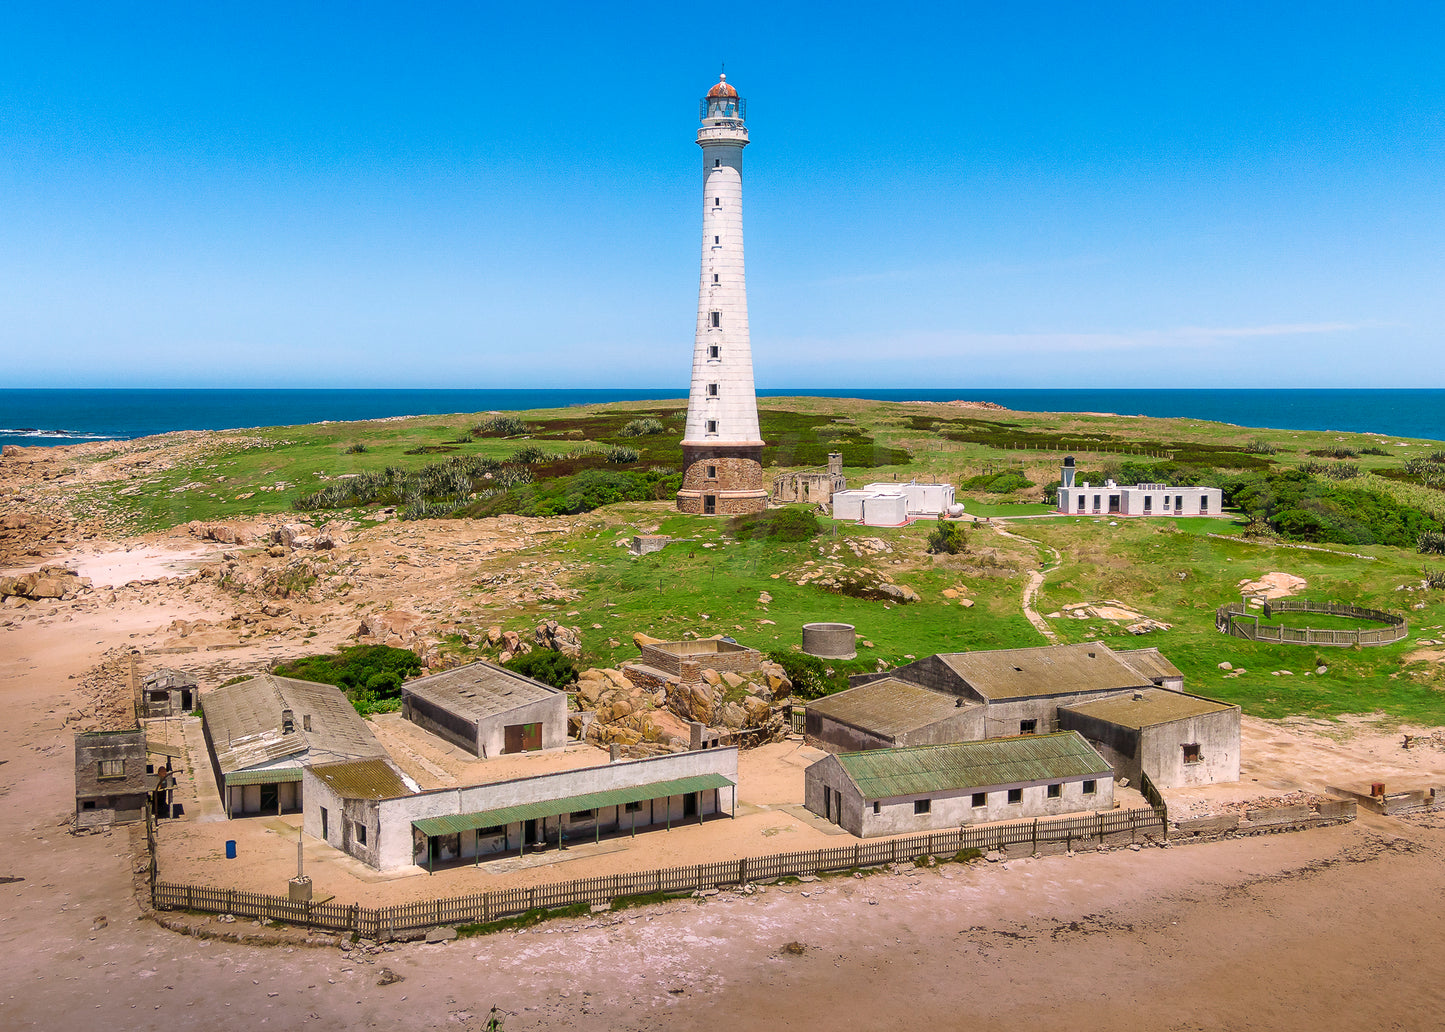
x=712 y=426
x=717 y=162
x=712 y=390
x=717 y=202
x=717 y=319
x=714 y=277
x=714 y=351
x=717 y=240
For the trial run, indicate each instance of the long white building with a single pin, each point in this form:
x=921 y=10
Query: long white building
x=1111 y=499
x=723 y=448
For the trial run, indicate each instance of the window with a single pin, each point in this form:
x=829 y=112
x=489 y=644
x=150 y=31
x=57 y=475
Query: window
x=717 y=202
x=712 y=426
x=1090 y=787
x=980 y=799
x=1056 y=791
x=581 y=815
x=714 y=351
x=1203 y=504
x=714 y=277
x=717 y=240
x=712 y=390
x=717 y=162
x=877 y=807
x=1081 y=503
x=110 y=769
x=1028 y=727
x=922 y=805
x=359 y=831
x=1191 y=753
x=715 y=318
x=1166 y=501
x=1178 y=503
x=324 y=822
x=1015 y=795
x=1096 y=503
x=1148 y=503
x=89 y=804
x=632 y=808
x=709 y=505
x=712 y=472
x=306 y=722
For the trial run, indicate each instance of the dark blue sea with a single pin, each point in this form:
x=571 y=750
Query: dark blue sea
x=61 y=416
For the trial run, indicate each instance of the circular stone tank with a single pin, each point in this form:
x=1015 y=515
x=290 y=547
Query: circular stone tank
x=830 y=640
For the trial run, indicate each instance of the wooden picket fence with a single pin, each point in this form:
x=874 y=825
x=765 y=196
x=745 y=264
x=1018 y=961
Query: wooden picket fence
x=1114 y=827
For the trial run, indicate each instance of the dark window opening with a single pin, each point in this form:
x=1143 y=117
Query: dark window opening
x=1055 y=791
x=714 y=351
x=110 y=769
x=1148 y=503
x=361 y=834
x=716 y=318
x=709 y=505
x=712 y=472
x=714 y=277
x=1191 y=754
x=717 y=240
x=1028 y=727
x=717 y=202
x=632 y=807
x=717 y=162
x=581 y=815
x=922 y=805
x=877 y=807
x=712 y=390
x=689 y=804
x=324 y=822
x=1090 y=787
x=980 y=799
x=1015 y=795
x=89 y=804
x=712 y=426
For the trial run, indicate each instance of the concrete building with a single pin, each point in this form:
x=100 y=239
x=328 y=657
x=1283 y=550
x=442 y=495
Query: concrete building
x=1176 y=738
x=894 y=505
x=111 y=778
x=1137 y=500
x=349 y=807
x=930 y=787
x=1019 y=691
x=722 y=450
x=167 y=693
x=919 y=499
x=263 y=732
x=488 y=710
x=888 y=713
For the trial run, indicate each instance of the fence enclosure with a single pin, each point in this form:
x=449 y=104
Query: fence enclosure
x=1238 y=621
x=1114 y=827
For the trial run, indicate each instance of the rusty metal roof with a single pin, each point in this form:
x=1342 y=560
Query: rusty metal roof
x=1150 y=663
x=502 y=816
x=362 y=779
x=480 y=690
x=887 y=707
x=959 y=766
x=1048 y=670
x=244 y=722
x=1147 y=708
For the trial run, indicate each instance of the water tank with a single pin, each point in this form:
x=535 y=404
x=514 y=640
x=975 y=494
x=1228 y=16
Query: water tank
x=830 y=640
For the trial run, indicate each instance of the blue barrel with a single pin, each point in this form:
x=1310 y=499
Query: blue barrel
x=230 y=849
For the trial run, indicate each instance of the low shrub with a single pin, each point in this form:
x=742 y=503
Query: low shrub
x=500 y=426
x=546 y=666
x=529 y=456
x=1260 y=447
x=947 y=538
x=641 y=428
x=370 y=675
x=355 y=449
x=781 y=525
x=621 y=455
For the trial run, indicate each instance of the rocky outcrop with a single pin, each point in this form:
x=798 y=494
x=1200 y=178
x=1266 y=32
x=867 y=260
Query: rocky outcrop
x=559 y=638
x=48 y=582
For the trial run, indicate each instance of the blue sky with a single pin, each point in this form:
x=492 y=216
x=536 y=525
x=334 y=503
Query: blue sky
x=970 y=195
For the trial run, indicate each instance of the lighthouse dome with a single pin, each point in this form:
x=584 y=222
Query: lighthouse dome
x=722 y=89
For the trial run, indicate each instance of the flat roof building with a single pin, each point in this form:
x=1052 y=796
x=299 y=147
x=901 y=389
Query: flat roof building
x=888 y=713
x=487 y=709
x=1176 y=738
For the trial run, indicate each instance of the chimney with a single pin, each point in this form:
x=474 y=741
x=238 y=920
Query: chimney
x=306 y=722
x=835 y=463
x=288 y=722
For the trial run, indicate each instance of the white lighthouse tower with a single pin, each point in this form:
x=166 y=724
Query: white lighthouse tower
x=723 y=448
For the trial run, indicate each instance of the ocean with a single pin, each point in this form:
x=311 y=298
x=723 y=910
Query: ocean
x=61 y=416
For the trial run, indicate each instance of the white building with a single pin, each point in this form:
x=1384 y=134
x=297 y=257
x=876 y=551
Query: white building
x=722 y=449
x=921 y=499
x=1111 y=499
x=893 y=505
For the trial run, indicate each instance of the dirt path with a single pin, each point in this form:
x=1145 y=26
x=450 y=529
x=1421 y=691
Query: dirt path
x=1036 y=581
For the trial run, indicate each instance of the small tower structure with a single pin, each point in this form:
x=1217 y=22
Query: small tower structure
x=722 y=448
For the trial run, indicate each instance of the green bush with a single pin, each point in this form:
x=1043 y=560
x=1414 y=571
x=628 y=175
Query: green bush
x=947 y=537
x=1006 y=482
x=529 y=455
x=548 y=667
x=581 y=492
x=781 y=525
x=370 y=675
x=1300 y=507
x=500 y=426
x=622 y=455
x=641 y=428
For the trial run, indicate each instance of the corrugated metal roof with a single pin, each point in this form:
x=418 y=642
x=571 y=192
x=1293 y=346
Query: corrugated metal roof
x=1154 y=706
x=991 y=762
x=479 y=690
x=1047 y=670
x=454 y=823
x=888 y=707
x=362 y=779
x=1149 y=662
x=244 y=723
x=270 y=776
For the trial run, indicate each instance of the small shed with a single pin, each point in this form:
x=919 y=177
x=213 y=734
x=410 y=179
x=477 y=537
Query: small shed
x=167 y=693
x=888 y=713
x=344 y=797
x=1151 y=664
x=1176 y=738
x=487 y=709
x=930 y=787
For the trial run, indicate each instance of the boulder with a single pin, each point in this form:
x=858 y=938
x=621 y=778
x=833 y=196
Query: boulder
x=589 y=692
x=730 y=714
x=391 y=623
x=690 y=702
x=712 y=677
x=756 y=711
x=898 y=592
x=639 y=639
x=732 y=680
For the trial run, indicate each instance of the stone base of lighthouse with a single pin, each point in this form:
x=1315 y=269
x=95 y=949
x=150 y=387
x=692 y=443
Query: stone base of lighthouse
x=722 y=480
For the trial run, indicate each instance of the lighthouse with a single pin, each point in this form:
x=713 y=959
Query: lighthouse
x=722 y=449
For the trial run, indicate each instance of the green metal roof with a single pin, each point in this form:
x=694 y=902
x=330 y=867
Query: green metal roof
x=361 y=779
x=989 y=763
x=273 y=776
x=454 y=823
